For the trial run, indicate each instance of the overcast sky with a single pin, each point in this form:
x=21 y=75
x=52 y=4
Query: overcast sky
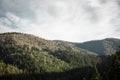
x=69 y=20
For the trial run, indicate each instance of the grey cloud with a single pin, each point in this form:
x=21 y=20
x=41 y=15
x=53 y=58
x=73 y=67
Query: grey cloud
x=103 y=1
x=19 y=7
x=51 y=11
x=8 y=23
x=118 y=2
x=92 y=13
x=80 y=17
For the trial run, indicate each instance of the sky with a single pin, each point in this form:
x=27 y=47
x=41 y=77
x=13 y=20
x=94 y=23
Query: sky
x=68 y=20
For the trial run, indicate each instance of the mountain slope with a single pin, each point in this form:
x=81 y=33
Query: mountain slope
x=101 y=47
x=34 y=54
x=27 y=57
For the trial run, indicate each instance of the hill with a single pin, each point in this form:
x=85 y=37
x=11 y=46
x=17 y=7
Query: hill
x=24 y=56
x=106 y=46
x=33 y=54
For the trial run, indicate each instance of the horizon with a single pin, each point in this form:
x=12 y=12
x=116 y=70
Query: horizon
x=58 y=40
x=66 y=20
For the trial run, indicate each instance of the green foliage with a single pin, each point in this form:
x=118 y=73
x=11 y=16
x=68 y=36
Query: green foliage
x=109 y=68
x=6 y=69
x=38 y=55
x=101 y=47
x=32 y=58
x=114 y=72
x=96 y=75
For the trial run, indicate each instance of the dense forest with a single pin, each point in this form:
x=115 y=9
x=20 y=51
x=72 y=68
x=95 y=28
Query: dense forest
x=27 y=57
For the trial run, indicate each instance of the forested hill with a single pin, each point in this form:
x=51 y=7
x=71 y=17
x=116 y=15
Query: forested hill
x=31 y=53
x=103 y=47
x=106 y=46
x=24 y=56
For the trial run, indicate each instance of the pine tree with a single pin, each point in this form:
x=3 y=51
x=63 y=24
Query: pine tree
x=115 y=70
x=96 y=75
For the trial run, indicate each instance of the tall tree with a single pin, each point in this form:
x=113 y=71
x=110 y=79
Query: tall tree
x=96 y=75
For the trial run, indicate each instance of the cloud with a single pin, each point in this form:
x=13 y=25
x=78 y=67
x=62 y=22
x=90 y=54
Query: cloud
x=20 y=8
x=70 y=20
